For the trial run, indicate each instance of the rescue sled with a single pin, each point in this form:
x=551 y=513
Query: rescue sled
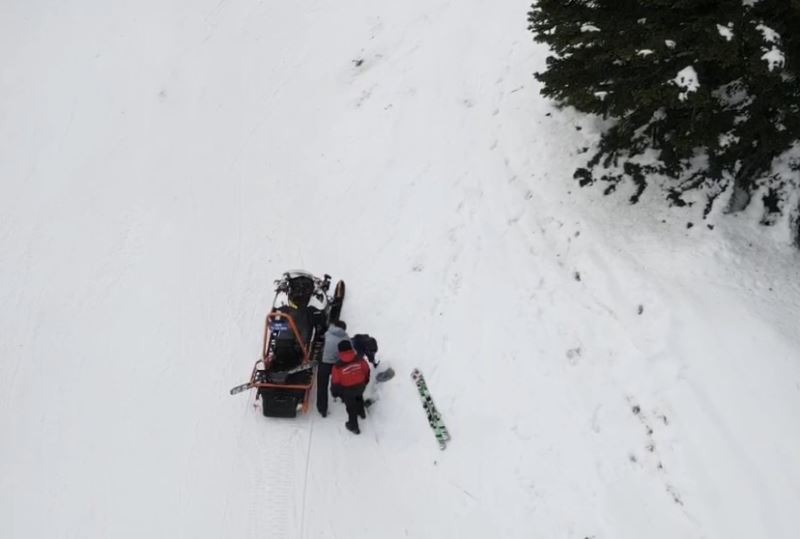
x=294 y=334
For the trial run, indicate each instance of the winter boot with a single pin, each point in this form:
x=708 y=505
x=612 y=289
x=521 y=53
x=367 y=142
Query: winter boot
x=352 y=427
x=362 y=413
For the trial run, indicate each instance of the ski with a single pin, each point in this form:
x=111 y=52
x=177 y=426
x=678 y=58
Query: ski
x=277 y=376
x=243 y=387
x=338 y=301
x=434 y=416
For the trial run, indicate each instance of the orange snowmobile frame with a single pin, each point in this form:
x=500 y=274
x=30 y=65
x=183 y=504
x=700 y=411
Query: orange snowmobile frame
x=266 y=359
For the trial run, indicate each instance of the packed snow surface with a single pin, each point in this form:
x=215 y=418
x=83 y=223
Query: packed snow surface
x=605 y=371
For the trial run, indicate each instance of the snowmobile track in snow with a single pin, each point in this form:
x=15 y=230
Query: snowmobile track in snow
x=278 y=488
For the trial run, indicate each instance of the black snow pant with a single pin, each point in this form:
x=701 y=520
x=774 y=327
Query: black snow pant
x=354 y=403
x=323 y=375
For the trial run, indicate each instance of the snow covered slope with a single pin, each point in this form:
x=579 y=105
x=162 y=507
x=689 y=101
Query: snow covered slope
x=604 y=374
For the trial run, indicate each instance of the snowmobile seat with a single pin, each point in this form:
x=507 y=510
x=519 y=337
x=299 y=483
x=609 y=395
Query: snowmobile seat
x=288 y=355
x=304 y=319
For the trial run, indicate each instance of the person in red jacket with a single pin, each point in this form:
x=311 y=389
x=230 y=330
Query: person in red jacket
x=350 y=376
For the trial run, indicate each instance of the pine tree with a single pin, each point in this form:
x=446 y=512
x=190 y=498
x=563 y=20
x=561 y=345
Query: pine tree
x=704 y=92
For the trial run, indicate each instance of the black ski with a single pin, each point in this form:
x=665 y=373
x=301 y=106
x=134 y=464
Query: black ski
x=336 y=304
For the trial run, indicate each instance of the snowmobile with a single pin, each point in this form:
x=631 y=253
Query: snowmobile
x=294 y=335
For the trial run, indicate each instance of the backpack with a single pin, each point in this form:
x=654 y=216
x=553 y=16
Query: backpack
x=353 y=374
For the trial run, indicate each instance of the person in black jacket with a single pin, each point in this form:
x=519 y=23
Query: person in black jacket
x=366 y=345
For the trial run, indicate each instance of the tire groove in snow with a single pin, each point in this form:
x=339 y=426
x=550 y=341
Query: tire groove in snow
x=305 y=478
x=272 y=489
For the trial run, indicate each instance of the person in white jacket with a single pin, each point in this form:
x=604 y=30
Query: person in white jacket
x=337 y=332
